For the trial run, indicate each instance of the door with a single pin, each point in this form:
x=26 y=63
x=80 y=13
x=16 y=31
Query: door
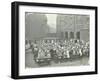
x=71 y=35
x=78 y=35
x=66 y=35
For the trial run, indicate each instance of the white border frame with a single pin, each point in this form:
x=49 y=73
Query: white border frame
x=53 y=70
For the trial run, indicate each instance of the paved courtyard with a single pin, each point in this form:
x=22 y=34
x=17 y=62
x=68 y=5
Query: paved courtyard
x=30 y=63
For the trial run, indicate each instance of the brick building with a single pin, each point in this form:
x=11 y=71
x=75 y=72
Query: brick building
x=73 y=26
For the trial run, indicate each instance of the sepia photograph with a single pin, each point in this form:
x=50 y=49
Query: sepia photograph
x=54 y=40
